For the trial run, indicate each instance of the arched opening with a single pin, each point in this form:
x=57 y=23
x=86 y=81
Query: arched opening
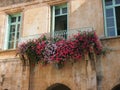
x=58 y=86
x=117 y=87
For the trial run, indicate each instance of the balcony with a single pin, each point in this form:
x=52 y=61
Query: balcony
x=62 y=33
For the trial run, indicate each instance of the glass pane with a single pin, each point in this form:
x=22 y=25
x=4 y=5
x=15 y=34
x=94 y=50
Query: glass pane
x=19 y=18
x=18 y=35
x=110 y=22
x=109 y=12
x=111 y=31
x=12 y=28
x=13 y=19
x=12 y=37
x=117 y=1
x=18 y=27
x=108 y=2
x=11 y=45
x=57 y=11
x=61 y=23
x=64 y=10
x=117 y=12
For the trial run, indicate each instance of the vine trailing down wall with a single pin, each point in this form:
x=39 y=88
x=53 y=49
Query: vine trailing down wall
x=59 y=50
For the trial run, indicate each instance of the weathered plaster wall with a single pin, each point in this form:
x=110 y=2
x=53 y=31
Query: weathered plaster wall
x=12 y=74
x=2 y=29
x=36 y=19
x=11 y=2
x=111 y=64
x=10 y=71
x=84 y=13
x=78 y=76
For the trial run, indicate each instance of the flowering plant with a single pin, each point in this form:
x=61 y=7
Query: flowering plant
x=59 y=50
x=33 y=49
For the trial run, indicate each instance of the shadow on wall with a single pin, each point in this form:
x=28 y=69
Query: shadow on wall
x=117 y=87
x=58 y=86
x=75 y=13
x=86 y=12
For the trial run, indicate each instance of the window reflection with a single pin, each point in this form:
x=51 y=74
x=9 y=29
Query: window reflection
x=108 y=2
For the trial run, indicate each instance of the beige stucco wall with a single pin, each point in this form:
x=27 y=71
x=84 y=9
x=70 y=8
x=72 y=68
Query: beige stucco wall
x=2 y=29
x=10 y=75
x=36 y=19
x=84 y=13
x=78 y=76
x=111 y=64
x=10 y=71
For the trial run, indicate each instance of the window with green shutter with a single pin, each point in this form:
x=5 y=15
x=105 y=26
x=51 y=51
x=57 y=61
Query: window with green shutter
x=14 y=30
x=112 y=17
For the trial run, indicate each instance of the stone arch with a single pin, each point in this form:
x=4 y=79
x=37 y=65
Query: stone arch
x=58 y=86
x=117 y=87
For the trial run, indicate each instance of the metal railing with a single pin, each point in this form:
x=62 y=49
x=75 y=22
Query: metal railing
x=30 y=37
x=66 y=33
x=62 y=33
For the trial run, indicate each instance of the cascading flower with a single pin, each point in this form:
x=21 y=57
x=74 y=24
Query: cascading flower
x=59 y=50
x=49 y=51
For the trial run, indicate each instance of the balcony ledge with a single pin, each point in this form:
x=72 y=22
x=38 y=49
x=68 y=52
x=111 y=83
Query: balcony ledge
x=109 y=38
x=8 y=50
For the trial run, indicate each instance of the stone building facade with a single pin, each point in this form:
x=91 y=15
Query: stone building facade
x=21 y=20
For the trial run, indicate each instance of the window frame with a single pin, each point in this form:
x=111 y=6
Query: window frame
x=53 y=8
x=16 y=31
x=113 y=6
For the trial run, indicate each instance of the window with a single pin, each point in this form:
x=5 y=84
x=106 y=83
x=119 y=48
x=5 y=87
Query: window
x=112 y=17
x=14 y=22
x=59 y=20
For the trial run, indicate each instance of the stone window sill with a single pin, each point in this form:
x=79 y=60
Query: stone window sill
x=109 y=38
x=8 y=50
